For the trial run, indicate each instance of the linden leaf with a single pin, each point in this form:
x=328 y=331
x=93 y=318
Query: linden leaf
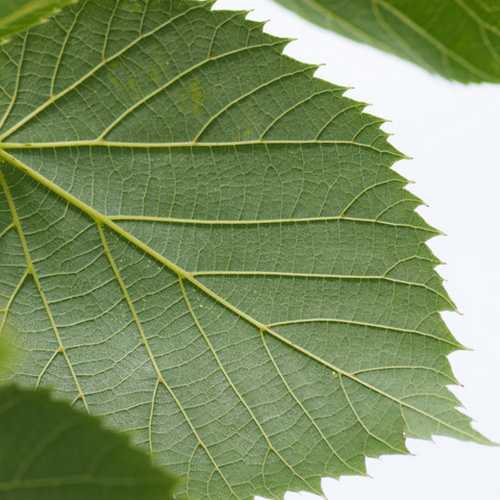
x=459 y=39
x=18 y=15
x=207 y=246
x=50 y=451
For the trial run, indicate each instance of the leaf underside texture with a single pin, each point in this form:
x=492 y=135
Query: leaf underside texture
x=458 y=39
x=207 y=246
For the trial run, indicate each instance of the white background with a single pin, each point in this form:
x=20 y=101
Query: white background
x=453 y=133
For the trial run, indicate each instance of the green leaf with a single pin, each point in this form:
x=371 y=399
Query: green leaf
x=50 y=451
x=9 y=356
x=18 y=15
x=207 y=246
x=459 y=39
x=4 y=354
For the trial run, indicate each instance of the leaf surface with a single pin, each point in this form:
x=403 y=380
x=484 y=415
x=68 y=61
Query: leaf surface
x=206 y=245
x=459 y=39
x=51 y=452
x=18 y=15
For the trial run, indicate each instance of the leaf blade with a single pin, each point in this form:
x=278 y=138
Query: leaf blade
x=16 y=16
x=456 y=39
x=39 y=437
x=204 y=276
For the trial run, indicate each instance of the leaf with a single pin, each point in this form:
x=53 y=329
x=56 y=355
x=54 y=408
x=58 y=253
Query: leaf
x=206 y=245
x=9 y=356
x=18 y=15
x=50 y=451
x=458 y=39
x=4 y=354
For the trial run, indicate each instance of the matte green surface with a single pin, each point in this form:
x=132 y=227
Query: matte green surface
x=207 y=246
x=8 y=354
x=4 y=354
x=18 y=15
x=459 y=39
x=49 y=451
